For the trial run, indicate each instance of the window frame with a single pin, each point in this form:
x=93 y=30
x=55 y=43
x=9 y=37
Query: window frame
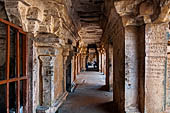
x=18 y=78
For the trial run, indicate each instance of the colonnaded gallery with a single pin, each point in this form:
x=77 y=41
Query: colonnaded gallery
x=84 y=56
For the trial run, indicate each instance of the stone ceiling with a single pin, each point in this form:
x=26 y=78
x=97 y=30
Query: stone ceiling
x=90 y=13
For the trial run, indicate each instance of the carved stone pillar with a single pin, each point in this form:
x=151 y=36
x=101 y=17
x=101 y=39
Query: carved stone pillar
x=50 y=58
x=47 y=80
x=155 y=68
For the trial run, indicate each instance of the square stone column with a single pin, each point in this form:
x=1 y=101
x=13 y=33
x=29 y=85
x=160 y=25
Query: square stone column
x=100 y=59
x=155 y=68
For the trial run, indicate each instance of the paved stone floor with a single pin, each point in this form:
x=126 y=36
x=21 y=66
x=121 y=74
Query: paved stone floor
x=89 y=96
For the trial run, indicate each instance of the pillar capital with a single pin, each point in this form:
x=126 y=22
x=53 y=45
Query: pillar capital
x=129 y=20
x=47 y=60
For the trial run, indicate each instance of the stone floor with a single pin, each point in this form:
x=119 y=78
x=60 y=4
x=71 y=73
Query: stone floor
x=89 y=96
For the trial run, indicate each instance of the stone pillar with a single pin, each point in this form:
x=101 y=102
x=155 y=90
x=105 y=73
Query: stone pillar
x=65 y=55
x=104 y=62
x=131 y=70
x=155 y=67
x=101 y=66
x=47 y=80
x=100 y=60
x=79 y=63
x=107 y=67
x=50 y=74
x=83 y=62
x=110 y=67
x=168 y=83
x=75 y=67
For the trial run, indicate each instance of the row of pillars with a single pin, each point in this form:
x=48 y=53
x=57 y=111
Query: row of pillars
x=137 y=71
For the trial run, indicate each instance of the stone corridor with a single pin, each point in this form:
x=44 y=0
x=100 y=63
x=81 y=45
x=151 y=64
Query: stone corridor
x=47 y=48
x=89 y=96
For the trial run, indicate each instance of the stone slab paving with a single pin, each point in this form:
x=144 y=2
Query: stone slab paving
x=89 y=96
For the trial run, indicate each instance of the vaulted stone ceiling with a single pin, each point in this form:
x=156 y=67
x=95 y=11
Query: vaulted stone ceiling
x=90 y=13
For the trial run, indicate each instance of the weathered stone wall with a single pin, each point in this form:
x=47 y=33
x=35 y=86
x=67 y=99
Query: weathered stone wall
x=42 y=18
x=155 y=63
x=59 y=77
x=142 y=76
x=35 y=80
x=168 y=83
x=134 y=68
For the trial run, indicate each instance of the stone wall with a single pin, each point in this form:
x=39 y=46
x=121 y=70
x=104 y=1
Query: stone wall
x=168 y=83
x=145 y=53
x=134 y=68
x=45 y=24
x=155 y=65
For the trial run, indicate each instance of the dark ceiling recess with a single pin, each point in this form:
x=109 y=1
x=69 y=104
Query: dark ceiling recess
x=92 y=46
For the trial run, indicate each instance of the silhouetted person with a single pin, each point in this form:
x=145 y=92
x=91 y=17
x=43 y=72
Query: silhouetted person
x=95 y=64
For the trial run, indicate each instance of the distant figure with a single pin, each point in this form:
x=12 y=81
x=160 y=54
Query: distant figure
x=87 y=66
x=94 y=64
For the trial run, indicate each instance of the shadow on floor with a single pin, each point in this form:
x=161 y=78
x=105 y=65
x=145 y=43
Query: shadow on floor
x=106 y=107
x=103 y=88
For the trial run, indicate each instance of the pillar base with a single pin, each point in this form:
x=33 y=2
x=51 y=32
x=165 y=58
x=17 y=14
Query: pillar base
x=133 y=110
x=73 y=86
x=54 y=107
